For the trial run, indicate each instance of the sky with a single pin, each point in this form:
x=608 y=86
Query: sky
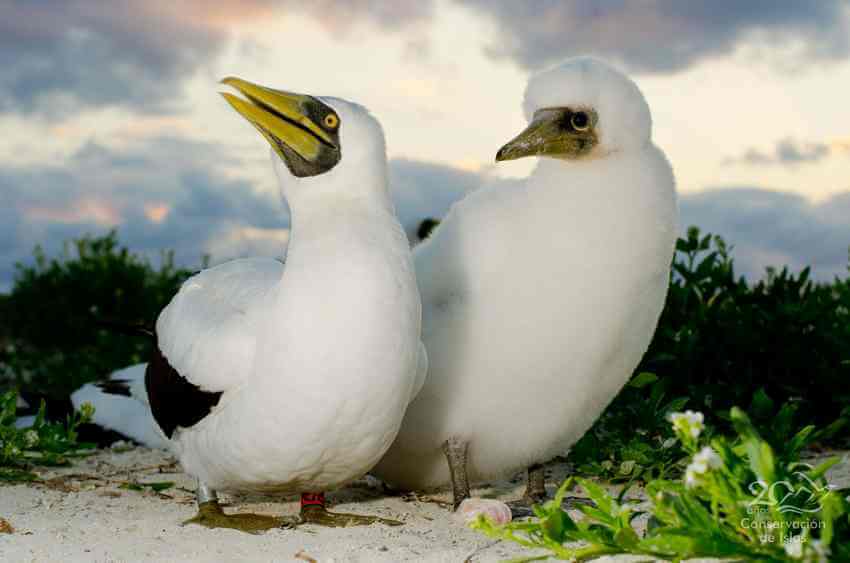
x=112 y=118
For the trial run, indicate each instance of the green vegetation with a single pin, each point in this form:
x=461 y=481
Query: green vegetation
x=42 y=443
x=53 y=343
x=156 y=487
x=781 y=347
x=739 y=499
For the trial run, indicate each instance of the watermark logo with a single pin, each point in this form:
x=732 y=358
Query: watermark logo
x=802 y=497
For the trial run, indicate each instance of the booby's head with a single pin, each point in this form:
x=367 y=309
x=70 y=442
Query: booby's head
x=582 y=108
x=322 y=141
x=302 y=130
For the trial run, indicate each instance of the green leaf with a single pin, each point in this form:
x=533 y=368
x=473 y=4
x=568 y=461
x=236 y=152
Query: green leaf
x=761 y=405
x=672 y=544
x=643 y=379
x=558 y=525
x=687 y=543
x=626 y=538
x=599 y=496
x=155 y=486
x=13 y=475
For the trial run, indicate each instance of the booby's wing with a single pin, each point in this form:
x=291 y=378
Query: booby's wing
x=421 y=372
x=475 y=228
x=207 y=338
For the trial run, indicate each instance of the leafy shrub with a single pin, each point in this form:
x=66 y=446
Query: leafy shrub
x=53 y=342
x=42 y=443
x=737 y=500
x=633 y=440
x=720 y=339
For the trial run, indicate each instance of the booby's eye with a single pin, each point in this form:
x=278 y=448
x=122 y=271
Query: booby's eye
x=580 y=121
x=331 y=121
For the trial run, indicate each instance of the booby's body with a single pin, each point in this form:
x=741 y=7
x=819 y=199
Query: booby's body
x=316 y=370
x=291 y=377
x=539 y=299
x=316 y=359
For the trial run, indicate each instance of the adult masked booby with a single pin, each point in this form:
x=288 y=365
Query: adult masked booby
x=539 y=298
x=290 y=377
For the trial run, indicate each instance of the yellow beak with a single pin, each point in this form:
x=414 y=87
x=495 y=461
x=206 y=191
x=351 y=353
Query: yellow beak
x=282 y=118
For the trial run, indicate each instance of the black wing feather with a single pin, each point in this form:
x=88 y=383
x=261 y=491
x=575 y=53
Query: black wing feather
x=173 y=399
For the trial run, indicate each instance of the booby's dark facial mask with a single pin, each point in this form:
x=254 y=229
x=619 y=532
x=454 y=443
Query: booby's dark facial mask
x=568 y=133
x=301 y=129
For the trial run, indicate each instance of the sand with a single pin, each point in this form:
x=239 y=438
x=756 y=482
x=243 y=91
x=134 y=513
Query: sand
x=82 y=513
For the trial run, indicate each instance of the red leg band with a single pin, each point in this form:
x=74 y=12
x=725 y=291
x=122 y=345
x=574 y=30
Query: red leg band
x=312 y=499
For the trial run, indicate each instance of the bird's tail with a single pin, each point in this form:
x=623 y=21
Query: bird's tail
x=121 y=405
x=123 y=327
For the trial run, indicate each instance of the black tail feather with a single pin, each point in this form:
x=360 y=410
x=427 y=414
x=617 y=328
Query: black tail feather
x=122 y=327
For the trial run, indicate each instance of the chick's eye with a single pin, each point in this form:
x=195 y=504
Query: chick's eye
x=580 y=121
x=331 y=121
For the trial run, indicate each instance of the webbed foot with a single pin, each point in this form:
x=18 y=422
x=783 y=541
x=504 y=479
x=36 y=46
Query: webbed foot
x=313 y=511
x=521 y=508
x=211 y=515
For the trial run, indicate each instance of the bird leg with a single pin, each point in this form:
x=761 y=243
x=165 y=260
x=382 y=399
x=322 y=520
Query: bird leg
x=313 y=511
x=535 y=492
x=456 y=451
x=211 y=515
x=535 y=487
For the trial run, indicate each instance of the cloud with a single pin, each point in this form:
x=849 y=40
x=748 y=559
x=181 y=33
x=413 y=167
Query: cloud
x=787 y=152
x=338 y=17
x=60 y=55
x=188 y=204
x=155 y=201
x=662 y=35
x=772 y=228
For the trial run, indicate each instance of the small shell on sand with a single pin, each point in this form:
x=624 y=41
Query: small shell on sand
x=494 y=510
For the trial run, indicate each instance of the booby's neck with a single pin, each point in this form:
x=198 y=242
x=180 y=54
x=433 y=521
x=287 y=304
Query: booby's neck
x=622 y=174
x=348 y=283
x=360 y=177
x=612 y=198
x=353 y=218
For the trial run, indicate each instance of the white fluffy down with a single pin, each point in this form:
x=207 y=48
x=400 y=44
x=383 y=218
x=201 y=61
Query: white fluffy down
x=624 y=119
x=539 y=299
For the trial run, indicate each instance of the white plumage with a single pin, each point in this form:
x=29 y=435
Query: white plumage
x=540 y=298
x=316 y=359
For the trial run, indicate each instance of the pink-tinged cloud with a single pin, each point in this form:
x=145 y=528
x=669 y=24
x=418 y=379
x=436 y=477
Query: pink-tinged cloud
x=85 y=210
x=157 y=212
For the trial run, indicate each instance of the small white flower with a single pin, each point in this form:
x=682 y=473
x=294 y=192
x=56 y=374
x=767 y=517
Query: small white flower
x=691 y=479
x=794 y=547
x=689 y=422
x=709 y=458
x=703 y=461
x=698 y=466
